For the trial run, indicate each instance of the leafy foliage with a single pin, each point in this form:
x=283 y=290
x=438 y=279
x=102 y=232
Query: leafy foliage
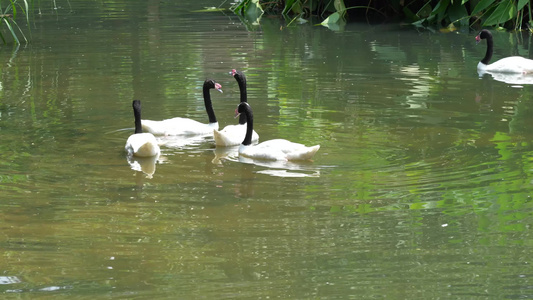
x=512 y=14
x=8 y=16
x=502 y=13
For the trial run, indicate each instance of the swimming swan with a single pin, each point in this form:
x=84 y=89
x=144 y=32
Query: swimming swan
x=511 y=64
x=186 y=126
x=232 y=135
x=277 y=149
x=141 y=144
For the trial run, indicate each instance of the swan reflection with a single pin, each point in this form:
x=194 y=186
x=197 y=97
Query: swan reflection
x=283 y=168
x=143 y=164
x=509 y=78
x=276 y=168
x=222 y=153
x=181 y=141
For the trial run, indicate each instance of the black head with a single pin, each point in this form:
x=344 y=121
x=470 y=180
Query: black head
x=136 y=104
x=483 y=34
x=238 y=75
x=211 y=84
x=243 y=108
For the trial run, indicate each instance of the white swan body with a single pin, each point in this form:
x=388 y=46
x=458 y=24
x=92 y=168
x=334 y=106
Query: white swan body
x=233 y=135
x=141 y=144
x=512 y=64
x=278 y=149
x=186 y=126
x=178 y=126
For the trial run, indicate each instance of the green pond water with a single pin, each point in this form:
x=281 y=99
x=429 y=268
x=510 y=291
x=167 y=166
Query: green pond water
x=421 y=188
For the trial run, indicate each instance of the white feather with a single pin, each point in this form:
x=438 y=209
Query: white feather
x=512 y=64
x=232 y=135
x=186 y=126
x=141 y=144
x=178 y=126
x=278 y=149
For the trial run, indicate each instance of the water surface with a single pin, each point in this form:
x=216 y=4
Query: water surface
x=421 y=188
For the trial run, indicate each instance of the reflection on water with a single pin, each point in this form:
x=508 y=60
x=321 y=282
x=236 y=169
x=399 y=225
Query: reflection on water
x=144 y=164
x=287 y=173
x=177 y=142
x=511 y=78
x=275 y=168
x=288 y=168
x=424 y=167
x=225 y=153
x=9 y=279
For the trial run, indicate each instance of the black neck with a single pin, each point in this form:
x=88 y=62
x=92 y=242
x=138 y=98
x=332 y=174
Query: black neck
x=249 y=117
x=137 y=115
x=244 y=97
x=209 y=105
x=488 y=54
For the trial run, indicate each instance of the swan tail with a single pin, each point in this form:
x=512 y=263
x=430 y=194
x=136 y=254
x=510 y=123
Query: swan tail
x=147 y=150
x=305 y=154
x=223 y=140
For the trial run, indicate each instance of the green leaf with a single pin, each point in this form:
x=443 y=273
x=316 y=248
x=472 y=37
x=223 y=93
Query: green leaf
x=333 y=18
x=253 y=11
x=11 y=30
x=521 y=4
x=334 y=22
x=21 y=32
x=410 y=16
x=249 y=10
x=425 y=10
x=27 y=12
x=288 y=7
x=440 y=7
x=482 y=5
x=339 y=6
x=14 y=8
x=504 y=12
x=458 y=12
x=439 y=10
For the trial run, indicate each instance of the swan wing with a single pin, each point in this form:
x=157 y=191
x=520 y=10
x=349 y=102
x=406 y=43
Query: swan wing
x=178 y=126
x=279 y=149
x=232 y=135
x=512 y=64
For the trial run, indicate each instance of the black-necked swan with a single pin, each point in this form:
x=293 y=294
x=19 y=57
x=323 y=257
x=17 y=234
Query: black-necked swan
x=186 y=126
x=141 y=144
x=277 y=149
x=512 y=64
x=232 y=135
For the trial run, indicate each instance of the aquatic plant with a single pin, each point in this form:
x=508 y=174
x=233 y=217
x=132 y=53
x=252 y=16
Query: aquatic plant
x=511 y=14
x=9 y=14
